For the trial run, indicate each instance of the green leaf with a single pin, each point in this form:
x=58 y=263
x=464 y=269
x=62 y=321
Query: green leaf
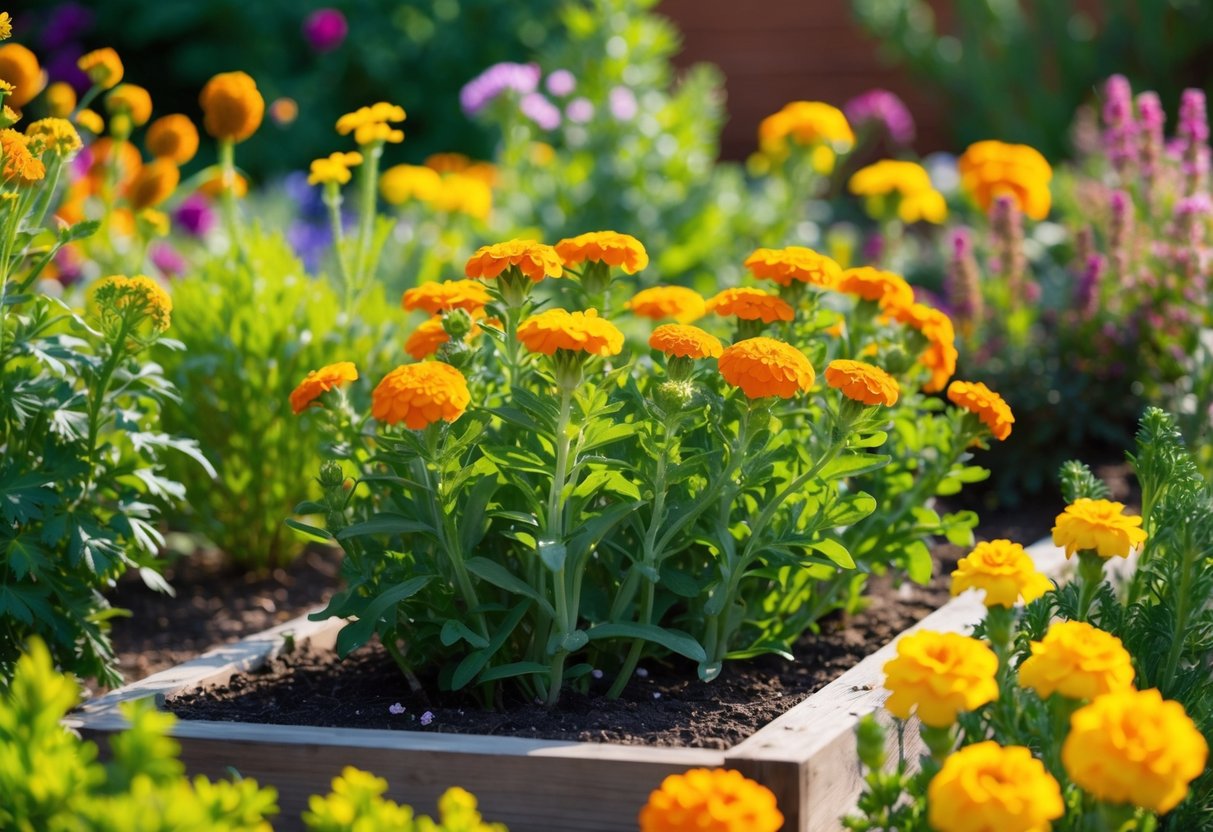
x=553 y=554
x=357 y=633
x=454 y=631
x=309 y=531
x=850 y=509
x=680 y=583
x=386 y=524
x=833 y=550
x=507 y=671
x=852 y=465
x=675 y=641
x=918 y=562
x=467 y=669
x=500 y=577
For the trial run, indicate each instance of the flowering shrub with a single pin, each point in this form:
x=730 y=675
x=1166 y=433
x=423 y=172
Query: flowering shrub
x=1089 y=709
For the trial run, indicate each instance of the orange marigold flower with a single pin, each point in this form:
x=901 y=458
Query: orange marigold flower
x=990 y=169
x=805 y=123
x=685 y=341
x=154 y=183
x=102 y=66
x=660 y=302
x=321 y=381
x=19 y=165
x=60 y=99
x=132 y=101
x=105 y=152
x=535 y=260
x=448 y=162
x=426 y=338
x=435 y=297
x=718 y=800
x=938 y=675
x=751 y=305
x=764 y=367
x=232 y=106
x=990 y=407
x=940 y=356
x=334 y=168
x=987 y=788
x=620 y=250
x=420 y=395
x=1003 y=570
x=559 y=329
x=173 y=137
x=794 y=263
x=886 y=288
x=865 y=383
x=1099 y=526
x=19 y=67
x=1078 y=661
x=214 y=186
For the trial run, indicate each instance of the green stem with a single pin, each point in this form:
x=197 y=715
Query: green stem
x=227 y=167
x=117 y=353
x=47 y=194
x=1090 y=576
x=565 y=616
x=1182 y=612
x=367 y=181
x=447 y=539
x=332 y=200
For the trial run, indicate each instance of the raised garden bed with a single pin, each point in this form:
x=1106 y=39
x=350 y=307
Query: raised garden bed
x=806 y=756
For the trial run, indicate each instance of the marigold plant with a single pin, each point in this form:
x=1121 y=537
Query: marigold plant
x=985 y=787
x=1077 y=661
x=720 y=800
x=936 y=676
x=1004 y=572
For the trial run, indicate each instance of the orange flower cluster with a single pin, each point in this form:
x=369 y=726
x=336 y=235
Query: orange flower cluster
x=535 y=260
x=20 y=68
x=435 y=297
x=794 y=264
x=865 y=383
x=463 y=191
x=915 y=197
x=764 y=367
x=712 y=800
x=102 y=66
x=19 y=165
x=805 y=123
x=751 y=305
x=559 y=329
x=661 y=302
x=990 y=407
x=990 y=169
x=318 y=382
x=420 y=395
x=173 y=137
x=619 y=250
x=940 y=356
x=153 y=184
x=685 y=341
x=139 y=293
x=232 y=106
x=132 y=101
x=889 y=290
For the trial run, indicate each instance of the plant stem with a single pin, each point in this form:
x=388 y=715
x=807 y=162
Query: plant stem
x=566 y=618
x=332 y=200
x=368 y=178
x=1090 y=576
x=1182 y=613
x=227 y=166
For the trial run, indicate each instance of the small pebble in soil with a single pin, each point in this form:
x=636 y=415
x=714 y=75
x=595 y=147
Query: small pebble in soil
x=656 y=694
x=396 y=709
x=642 y=673
x=596 y=673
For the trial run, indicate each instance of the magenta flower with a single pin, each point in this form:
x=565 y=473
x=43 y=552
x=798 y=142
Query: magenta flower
x=538 y=109
x=497 y=79
x=883 y=109
x=168 y=260
x=195 y=216
x=561 y=83
x=623 y=103
x=325 y=29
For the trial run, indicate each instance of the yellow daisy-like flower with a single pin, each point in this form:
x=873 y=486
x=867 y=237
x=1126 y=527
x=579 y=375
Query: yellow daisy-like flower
x=535 y=260
x=751 y=305
x=764 y=367
x=559 y=329
x=118 y=294
x=990 y=169
x=173 y=137
x=990 y=407
x=420 y=395
x=1078 y=661
x=154 y=183
x=103 y=67
x=60 y=99
x=53 y=135
x=1003 y=570
x=661 y=302
x=794 y=264
x=91 y=121
x=685 y=341
x=462 y=193
x=232 y=106
x=19 y=166
x=373 y=124
x=711 y=800
x=805 y=123
x=132 y=101
x=619 y=250
x=403 y=183
x=335 y=169
x=907 y=183
x=889 y=290
x=435 y=297
x=985 y=787
x=321 y=381
x=865 y=383
x=1099 y=526
x=6 y=26
x=19 y=67
x=938 y=675
x=1134 y=747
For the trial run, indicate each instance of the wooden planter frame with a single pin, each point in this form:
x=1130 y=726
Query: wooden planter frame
x=807 y=756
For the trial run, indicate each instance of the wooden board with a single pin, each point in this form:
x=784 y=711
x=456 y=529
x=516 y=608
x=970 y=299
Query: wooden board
x=807 y=756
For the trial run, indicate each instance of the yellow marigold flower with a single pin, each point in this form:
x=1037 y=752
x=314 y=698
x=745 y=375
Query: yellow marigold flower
x=317 y=382
x=559 y=329
x=402 y=183
x=1078 y=661
x=907 y=183
x=60 y=99
x=372 y=124
x=53 y=135
x=660 y=302
x=535 y=260
x=805 y=123
x=990 y=407
x=764 y=367
x=889 y=290
x=619 y=250
x=990 y=169
x=420 y=395
x=865 y=383
x=1134 y=747
x=103 y=67
x=173 y=137
x=91 y=121
x=985 y=787
x=132 y=101
x=1099 y=526
x=685 y=341
x=120 y=293
x=923 y=206
x=153 y=222
x=214 y=186
x=154 y=183
x=19 y=67
x=232 y=106
x=712 y=800
x=335 y=168
x=448 y=162
x=750 y=305
x=464 y=194
x=6 y=26
x=794 y=263
x=435 y=297
x=20 y=167
x=1003 y=570
x=938 y=675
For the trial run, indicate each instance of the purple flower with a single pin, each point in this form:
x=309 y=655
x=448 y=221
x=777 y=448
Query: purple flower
x=67 y=22
x=1120 y=129
x=195 y=216
x=1198 y=205
x=395 y=710
x=579 y=110
x=70 y=265
x=623 y=103
x=325 y=29
x=538 y=109
x=1193 y=121
x=1151 y=121
x=62 y=66
x=1086 y=295
x=488 y=85
x=168 y=260
x=883 y=109
x=427 y=717
x=561 y=83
